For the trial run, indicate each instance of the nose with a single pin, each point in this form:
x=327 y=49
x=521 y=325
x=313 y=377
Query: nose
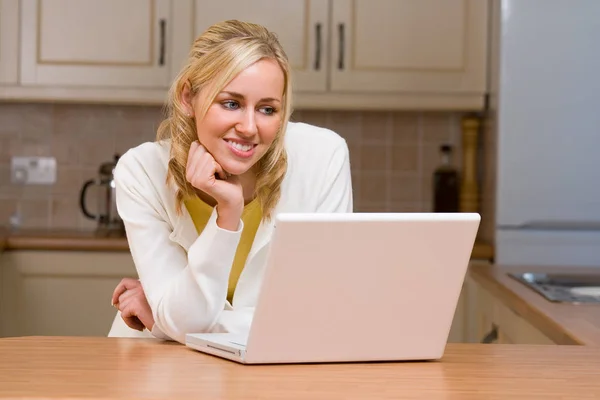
x=247 y=124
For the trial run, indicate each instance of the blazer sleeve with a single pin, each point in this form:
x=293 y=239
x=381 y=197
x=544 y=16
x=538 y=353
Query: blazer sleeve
x=186 y=291
x=336 y=193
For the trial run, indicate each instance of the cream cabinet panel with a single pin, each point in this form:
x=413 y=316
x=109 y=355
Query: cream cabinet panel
x=301 y=26
x=413 y=46
x=60 y=292
x=96 y=43
x=9 y=41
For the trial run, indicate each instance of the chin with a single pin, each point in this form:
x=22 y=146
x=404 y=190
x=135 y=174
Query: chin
x=235 y=167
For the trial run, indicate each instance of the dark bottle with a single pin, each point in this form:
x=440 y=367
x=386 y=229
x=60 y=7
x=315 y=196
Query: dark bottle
x=446 y=185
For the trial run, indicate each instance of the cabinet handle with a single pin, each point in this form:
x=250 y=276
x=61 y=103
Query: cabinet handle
x=318 y=46
x=161 y=57
x=492 y=335
x=341 y=46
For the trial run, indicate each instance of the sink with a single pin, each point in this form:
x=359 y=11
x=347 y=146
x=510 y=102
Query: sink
x=563 y=288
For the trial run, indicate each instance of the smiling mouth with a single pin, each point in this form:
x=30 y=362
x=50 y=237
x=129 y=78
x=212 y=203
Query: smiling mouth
x=241 y=149
x=240 y=146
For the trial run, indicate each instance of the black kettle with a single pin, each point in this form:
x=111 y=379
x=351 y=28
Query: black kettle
x=106 y=209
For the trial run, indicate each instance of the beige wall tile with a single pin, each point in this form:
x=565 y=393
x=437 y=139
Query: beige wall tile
x=7 y=208
x=374 y=157
x=35 y=213
x=373 y=188
x=347 y=124
x=405 y=188
x=405 y=158
x=68 y=181
x=403 y=206
x=392 y=154
x=377 y=127
x=64 y=212
x=436 y=127
x=405 y=128
x=373 y=207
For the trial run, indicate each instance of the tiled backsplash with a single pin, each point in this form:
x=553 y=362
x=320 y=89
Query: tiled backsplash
x=393 y=154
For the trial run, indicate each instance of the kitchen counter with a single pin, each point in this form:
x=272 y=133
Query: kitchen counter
x=111 y=368
x=82 y=240
x=3 y=236
x=564 y=323
x=64 y=239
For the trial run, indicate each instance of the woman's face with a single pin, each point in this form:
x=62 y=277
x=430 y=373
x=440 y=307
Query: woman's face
x=244 y=118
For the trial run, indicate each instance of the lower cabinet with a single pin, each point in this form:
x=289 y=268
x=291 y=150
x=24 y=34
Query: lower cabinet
x=59 y=293
x=497 y=323
x=481 y=317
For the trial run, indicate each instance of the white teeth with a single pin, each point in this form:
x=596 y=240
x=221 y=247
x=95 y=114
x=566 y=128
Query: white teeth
x=239 y=146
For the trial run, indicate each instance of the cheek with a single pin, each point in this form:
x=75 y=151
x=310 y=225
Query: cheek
x=269 y=129
x=215 y=124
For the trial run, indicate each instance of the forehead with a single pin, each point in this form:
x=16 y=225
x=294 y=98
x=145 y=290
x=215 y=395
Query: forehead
x=264 y=78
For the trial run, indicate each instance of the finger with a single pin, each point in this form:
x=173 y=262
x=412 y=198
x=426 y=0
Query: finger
x=123 y=305
x=193 y=148
x=195 y=162
x=131 y=320
x=127 y=295
x=219 y=170
x=143 y=312
x=125 y=284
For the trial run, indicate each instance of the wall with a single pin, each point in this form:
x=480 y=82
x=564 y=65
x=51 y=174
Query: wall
x=393 y=154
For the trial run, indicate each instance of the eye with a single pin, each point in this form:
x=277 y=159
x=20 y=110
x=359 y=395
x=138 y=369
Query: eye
x=230 y=104
x=268 y=110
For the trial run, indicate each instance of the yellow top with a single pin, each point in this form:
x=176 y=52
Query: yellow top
x=251 y=216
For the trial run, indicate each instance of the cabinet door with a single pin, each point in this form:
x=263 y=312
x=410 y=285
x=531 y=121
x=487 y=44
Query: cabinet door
x=9 y=41
x=96 y=43
x=64 y=293
x=417 y=46
x=301 y=26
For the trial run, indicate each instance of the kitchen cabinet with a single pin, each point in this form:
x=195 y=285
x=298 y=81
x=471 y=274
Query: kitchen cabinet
x=494 y=322
x=301 y=26
x=90 y=43
x=374 y=53
x=345 y=54
x=410 y=46
x=60 y=292
x=9 y=41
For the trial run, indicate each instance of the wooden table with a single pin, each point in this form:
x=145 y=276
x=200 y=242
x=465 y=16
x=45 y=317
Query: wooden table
x=80 y=367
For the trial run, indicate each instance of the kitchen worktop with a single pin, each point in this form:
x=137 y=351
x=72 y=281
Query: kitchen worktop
x=86 y=240
x=111 y=368
x=564 y=323
x=63 y=239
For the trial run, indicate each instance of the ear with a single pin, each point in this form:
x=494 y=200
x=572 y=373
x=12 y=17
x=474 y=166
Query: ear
x=187 y=97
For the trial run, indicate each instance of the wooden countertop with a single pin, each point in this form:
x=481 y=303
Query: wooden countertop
x=111 y=368
x=564 y=323
x=83 y=240
x=64 y=239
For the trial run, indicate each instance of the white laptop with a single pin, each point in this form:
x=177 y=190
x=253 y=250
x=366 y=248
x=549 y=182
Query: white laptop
x=354 y=287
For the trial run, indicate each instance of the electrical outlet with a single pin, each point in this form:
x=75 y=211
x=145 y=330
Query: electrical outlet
x=33 y=170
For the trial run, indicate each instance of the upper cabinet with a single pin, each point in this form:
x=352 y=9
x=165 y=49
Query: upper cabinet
x=415 y=46
x=344 y=54
x=9 y=41
x=96 y=43
x=301 y=27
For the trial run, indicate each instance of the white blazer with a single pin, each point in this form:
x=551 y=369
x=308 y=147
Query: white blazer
x=185 y=275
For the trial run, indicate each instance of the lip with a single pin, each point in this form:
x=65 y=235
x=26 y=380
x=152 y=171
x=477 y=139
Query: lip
x=240 y=153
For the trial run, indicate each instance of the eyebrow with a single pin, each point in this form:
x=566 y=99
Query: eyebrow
x=241 y=97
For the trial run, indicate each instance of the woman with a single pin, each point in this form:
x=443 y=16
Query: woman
x=198 y=204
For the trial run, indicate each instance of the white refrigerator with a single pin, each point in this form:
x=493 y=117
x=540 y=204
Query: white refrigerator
x=547 y=95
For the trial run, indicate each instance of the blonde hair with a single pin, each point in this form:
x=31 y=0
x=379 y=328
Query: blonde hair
x=217 y=56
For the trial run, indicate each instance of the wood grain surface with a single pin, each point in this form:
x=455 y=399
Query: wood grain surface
x=111 y=368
